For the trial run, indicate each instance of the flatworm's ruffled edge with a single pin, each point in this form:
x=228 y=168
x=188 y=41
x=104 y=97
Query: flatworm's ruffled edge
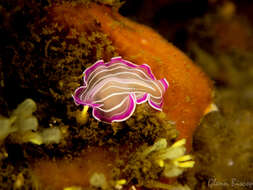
x=130 y=64
x=146 y=97
x=117 y=118
x=165 y=83
x=78 y=101
x=142 y=99
x=90 y=69
x=154 y=105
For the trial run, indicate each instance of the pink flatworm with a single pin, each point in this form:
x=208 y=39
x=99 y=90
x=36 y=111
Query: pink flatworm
x=114 y=88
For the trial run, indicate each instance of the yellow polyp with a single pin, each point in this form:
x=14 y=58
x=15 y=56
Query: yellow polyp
x=160 y=163
x=32 y=137
x=211 y=108
x=179 y=143
x=13 y=119
x=85 y=109
x=184 y=158
x=83 y=116
x=188 y=164
x=121 y=182
x=64 y=129
x=37 y=141
x=73 y=188
x=5 y=154
x=19 y=181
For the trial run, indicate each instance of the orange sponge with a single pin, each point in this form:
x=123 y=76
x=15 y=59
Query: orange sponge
x=59 y=174
x=190 y=91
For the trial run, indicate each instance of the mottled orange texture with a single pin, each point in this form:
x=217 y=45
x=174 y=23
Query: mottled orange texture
x=65 y=173
x=189 y=93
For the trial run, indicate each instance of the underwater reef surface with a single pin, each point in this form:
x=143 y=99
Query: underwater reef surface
x=47 y=142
